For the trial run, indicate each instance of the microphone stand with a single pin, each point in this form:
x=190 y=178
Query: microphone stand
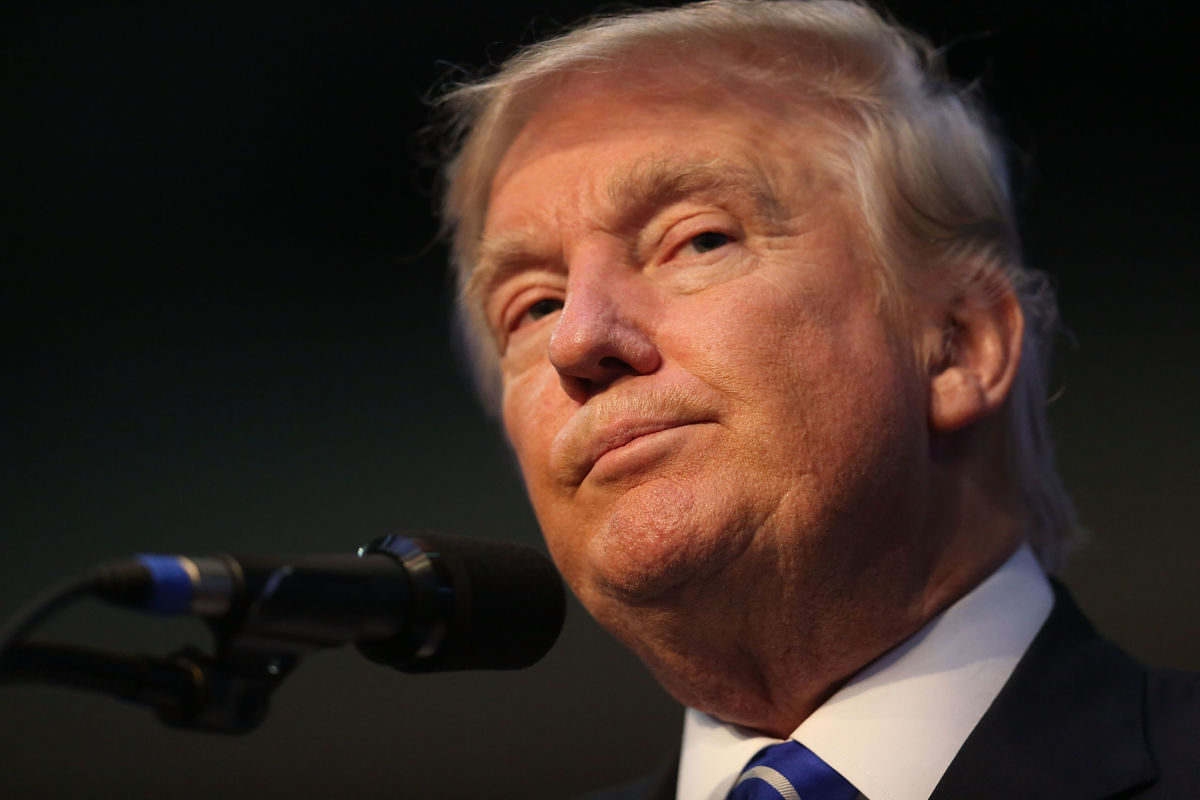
x=189 y=689
x=226 y=693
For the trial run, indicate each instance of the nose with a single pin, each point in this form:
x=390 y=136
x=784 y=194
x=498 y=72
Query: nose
x=602 y=333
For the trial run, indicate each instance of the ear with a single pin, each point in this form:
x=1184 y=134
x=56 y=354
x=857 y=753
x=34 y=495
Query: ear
x=973 y=367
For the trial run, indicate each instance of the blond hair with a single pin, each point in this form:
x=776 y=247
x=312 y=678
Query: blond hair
x=926 y=175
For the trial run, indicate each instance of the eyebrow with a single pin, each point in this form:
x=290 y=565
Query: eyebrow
x=655 y=182
x=500 y=257
x=633 y=195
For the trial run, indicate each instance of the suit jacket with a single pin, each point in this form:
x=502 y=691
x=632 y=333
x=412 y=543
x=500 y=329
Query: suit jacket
x=1079 y=719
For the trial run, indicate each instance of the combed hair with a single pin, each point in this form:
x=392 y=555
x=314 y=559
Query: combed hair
x=925 y=174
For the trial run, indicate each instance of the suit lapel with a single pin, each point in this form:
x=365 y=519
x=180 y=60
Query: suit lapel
x=1068 y=724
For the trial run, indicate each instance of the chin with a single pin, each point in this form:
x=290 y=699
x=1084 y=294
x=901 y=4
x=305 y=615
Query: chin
x=639 y=570
x=658 y=541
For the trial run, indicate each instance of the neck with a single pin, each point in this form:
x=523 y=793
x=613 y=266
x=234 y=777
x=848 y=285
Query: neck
x=769 y=658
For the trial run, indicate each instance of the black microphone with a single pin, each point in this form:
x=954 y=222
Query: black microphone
x=420 y=602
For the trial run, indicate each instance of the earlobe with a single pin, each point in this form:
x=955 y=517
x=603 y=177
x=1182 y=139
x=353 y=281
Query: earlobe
x=973 y=368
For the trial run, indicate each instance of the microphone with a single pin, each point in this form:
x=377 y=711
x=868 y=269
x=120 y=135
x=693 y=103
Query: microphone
x=419 y=603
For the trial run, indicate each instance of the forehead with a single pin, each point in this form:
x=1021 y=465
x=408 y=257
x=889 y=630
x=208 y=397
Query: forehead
x=586 y=110
x=634 y=183
x=623 y=198
x=615 y=144
x=610 y=154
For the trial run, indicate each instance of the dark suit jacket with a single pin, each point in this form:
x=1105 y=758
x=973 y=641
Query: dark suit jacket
x=1078 y=720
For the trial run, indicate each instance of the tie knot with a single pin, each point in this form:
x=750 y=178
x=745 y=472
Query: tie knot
x=793 y=772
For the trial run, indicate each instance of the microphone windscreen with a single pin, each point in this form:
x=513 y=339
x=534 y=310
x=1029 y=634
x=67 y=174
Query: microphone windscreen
x=506 y=609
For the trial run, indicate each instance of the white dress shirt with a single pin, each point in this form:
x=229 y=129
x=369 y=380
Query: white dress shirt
x=894 y=728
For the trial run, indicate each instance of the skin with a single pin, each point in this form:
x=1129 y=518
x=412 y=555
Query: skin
x=744 y=470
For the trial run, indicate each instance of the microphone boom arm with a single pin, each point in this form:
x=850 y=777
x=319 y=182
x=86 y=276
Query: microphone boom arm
x=187 y=690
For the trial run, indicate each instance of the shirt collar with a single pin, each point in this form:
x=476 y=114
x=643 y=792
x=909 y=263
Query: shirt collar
x=895 y=727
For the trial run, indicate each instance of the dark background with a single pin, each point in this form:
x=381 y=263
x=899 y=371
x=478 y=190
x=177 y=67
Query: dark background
x=226 y=328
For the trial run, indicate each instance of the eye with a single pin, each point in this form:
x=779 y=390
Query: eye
x=538 y=309
x=708 y=241
x=543 y=308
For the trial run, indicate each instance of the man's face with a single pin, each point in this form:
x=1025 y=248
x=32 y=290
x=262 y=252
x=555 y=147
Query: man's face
x=697 y=380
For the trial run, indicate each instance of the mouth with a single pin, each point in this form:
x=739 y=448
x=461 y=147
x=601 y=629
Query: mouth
x=630 y=446
x=620 y=435
x=626 y=435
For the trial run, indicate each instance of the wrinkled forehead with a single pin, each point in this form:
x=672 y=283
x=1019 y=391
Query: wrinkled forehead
x=718 y=78
x=684 y=139
x=626 y=151
x=720 y=125
x=566 y=106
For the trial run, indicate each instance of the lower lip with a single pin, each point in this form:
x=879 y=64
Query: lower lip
x=639 y=454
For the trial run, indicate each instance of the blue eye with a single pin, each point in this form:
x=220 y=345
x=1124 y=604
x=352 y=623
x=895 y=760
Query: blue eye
x=708 y=241
x=544 y=307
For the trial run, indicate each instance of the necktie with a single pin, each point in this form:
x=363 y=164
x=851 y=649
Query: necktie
x=793 y=772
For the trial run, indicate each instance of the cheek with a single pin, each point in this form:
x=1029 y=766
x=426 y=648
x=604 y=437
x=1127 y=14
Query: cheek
x=527 y=423
x=754 y=346
x=525 y=350
x=816 y=381
x=533 y=412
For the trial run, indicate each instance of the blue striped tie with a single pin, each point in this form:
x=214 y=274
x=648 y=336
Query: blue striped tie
x=793 y=772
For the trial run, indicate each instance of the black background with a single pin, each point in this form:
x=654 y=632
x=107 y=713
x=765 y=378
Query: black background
x=226 y=328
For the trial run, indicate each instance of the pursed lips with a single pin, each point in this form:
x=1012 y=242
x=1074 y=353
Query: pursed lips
x=580 y=453
x=626 y=434
x=610 y=422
